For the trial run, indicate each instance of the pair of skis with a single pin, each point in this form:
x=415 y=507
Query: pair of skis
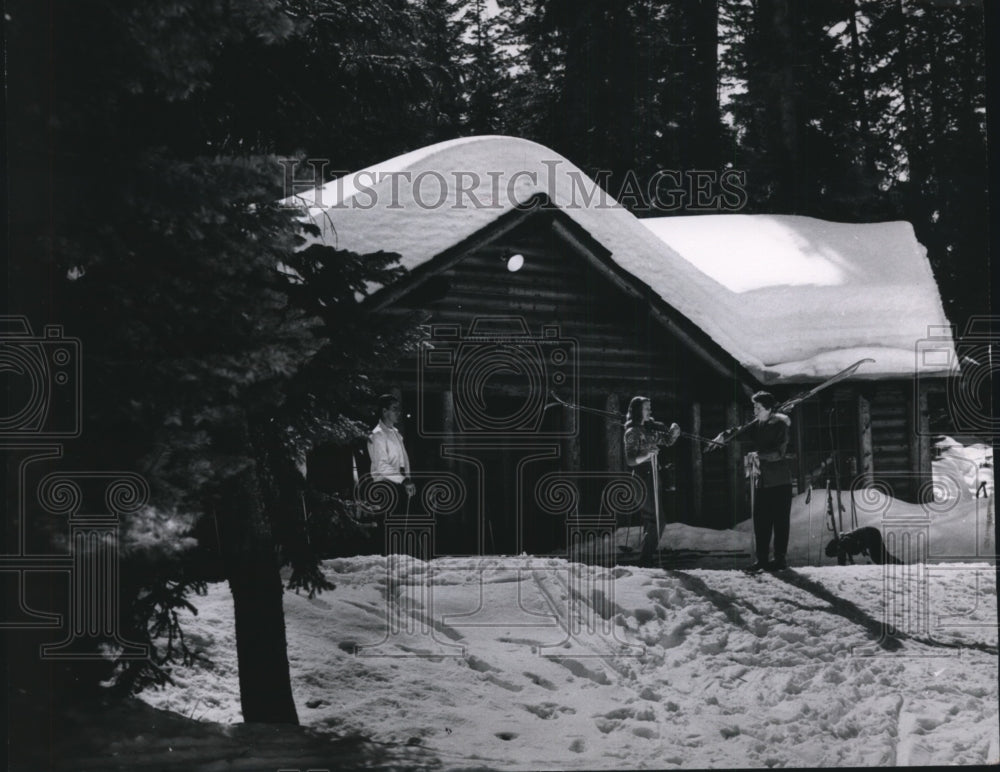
x=785 y=407
x=790 y=404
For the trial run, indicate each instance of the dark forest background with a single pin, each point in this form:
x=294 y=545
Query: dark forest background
x=144 y=149
x=848 y=110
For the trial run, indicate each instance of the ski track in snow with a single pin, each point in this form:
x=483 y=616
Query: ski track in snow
x=535 y=663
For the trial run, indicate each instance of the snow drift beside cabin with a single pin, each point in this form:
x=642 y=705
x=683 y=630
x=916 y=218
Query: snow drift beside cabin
x=784 y=296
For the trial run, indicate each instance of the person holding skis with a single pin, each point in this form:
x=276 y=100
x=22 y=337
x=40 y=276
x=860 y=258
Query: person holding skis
x=771 y=476
x=767 y=465
x=643 y=438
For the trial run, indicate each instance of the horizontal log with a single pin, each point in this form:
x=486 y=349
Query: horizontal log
x=555 y=284
x=889 y=423
x=889 y=411
x=892 y=464
x=890 y=447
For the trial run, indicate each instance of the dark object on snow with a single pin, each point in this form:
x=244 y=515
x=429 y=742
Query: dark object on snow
x=864 y=541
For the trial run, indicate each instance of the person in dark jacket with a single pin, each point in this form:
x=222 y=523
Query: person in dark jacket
x=768 y=444
x=643 y=437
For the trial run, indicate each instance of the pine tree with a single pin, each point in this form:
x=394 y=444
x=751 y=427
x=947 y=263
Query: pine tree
x=622 y=89
x=442 y=26
x=536 y=70
x=930 y=62
x=485 y=68
x=209 y=367
x=687 y=117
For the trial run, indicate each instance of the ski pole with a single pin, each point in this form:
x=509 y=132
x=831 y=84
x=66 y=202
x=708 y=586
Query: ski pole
x=656 y=505
x=608 y=414
x=836 y=468
x=406 y=515
x=810 y=530
x=841 y=556
x=752 y=470
x=638 y=541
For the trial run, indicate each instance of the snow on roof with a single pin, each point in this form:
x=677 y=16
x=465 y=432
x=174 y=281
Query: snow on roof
x=789 y=298
x=822 y=294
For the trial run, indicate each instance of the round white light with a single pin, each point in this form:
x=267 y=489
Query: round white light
x=514 y=263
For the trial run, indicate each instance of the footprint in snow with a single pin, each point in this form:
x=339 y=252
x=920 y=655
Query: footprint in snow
x=579 y=669
x=503 y=684
x=543 y=682
x=478 y=665
x=928 y=723
x=643 y=615
x=548 y=710
x=521 y=641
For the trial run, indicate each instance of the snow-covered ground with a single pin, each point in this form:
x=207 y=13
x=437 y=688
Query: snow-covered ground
x=504 y=662
x=538 y=663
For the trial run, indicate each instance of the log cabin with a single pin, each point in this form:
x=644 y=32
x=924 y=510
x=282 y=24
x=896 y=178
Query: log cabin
x=539 y=289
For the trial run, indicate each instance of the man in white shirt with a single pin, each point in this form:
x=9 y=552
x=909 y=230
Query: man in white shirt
x=388 y=454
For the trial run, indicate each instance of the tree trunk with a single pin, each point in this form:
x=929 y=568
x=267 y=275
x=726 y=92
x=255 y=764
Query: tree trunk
x=913 y=127
x=775 y=83
x=252 y=568
x=707 y=121
x=860 y=96
x=787 y=96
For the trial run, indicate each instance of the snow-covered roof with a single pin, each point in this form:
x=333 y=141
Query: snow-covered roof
x=789 y=298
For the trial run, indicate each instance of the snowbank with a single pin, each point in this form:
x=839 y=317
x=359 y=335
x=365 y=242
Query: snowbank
x=959 y=527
